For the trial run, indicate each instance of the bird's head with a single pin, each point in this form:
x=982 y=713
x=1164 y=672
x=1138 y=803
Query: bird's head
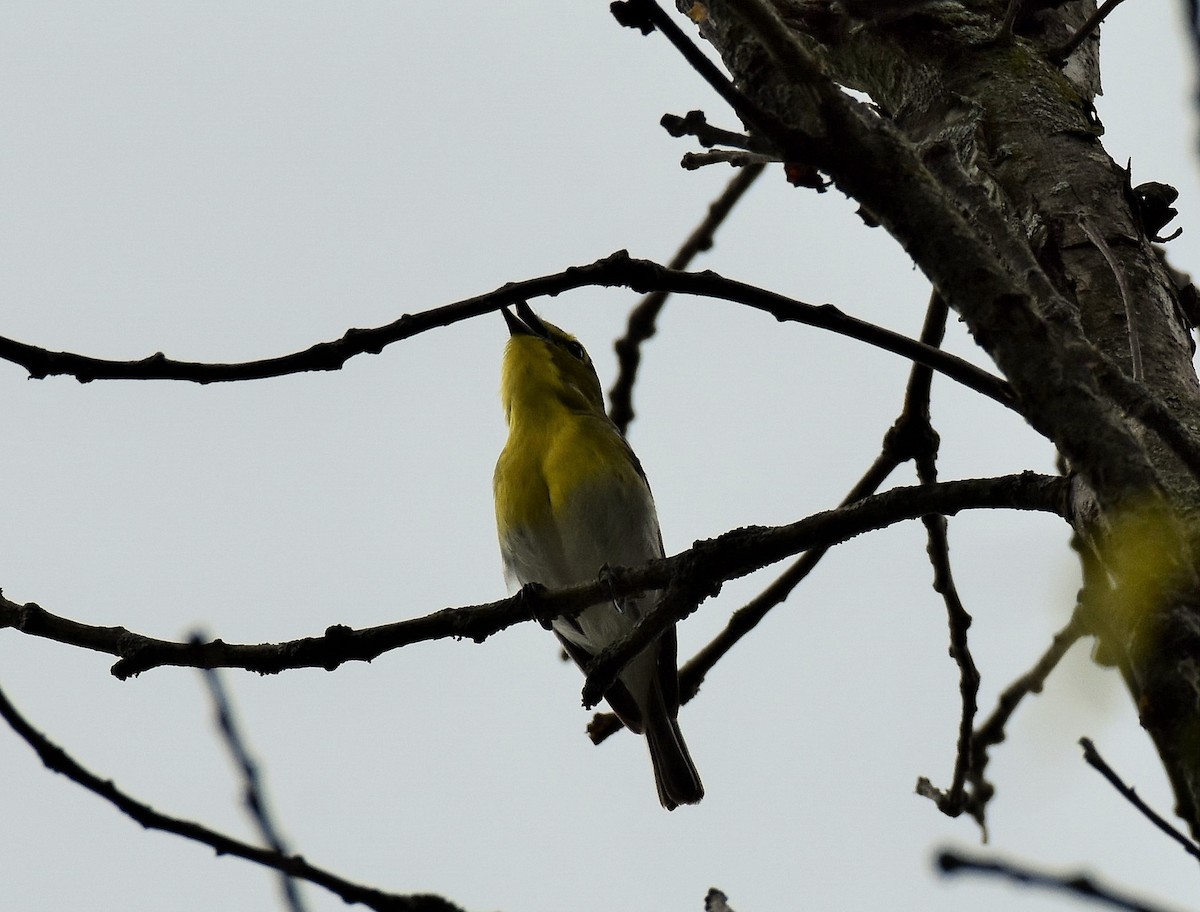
x=544 y=365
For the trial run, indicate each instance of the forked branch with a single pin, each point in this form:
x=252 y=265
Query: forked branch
x=59 y=761
x=700 y=569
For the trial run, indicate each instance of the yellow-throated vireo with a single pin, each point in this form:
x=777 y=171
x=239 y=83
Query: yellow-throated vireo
x=572 y=499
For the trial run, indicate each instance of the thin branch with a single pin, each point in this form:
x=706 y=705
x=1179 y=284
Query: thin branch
x=253 y=793
x=1080 y=885
x=1094 y=760
x=59 y=761
x=616 y=270
x=695 y=123
x=1129 y=395
x=700 y=577
x=647 y=15
x=992 y=731
x=994 y=282
x=916 y=419
x=909 y=436
x=954 y=800
x=746 y=618
x=1061 y=54
x=641 y=323
x=920 y=379
x=702 y=568
x=737 y=158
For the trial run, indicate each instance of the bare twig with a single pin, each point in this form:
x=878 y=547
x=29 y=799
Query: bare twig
x=920 y=379
x=699 y=569
x=253 y=793
x=616 y=270
x=992 y=731
x=700 y=577
x=611 y=660
x=1090 y=25
x=1081 y=885
x=1094 y=760
x=58 y=760
x=746 y=618
x=918 y=425
x=990 y=280
x=910 y=436
x=647 y=15
x=738 y=158
x=954 y=800
x=641 y=323
x=696 y=124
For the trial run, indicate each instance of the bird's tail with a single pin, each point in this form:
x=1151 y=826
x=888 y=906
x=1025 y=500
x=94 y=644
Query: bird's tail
x=674 y=773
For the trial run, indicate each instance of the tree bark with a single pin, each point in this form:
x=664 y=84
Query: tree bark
x=982 y=157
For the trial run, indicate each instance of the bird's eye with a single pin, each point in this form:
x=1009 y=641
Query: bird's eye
x=575 y=349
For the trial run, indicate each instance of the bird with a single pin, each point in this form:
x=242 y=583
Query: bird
x=572 y=501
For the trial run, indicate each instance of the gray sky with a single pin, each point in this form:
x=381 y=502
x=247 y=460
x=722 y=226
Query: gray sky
x=228 y=181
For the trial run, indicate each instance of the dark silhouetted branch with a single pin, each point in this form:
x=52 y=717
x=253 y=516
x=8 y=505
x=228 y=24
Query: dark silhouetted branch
x=1080 y=885
x=641 y=323
x=700 y=569
x=616 y=270
x=59 y=761
x=747 y=617
x=1060 y=55
x=736 y=158
x=705 y=567
x=954 y=800
x=1098 y=763
x=253 y=793
x=695 y=123
x=919 y=427
x=909 y=436
x=647 y=15
x=992 y=731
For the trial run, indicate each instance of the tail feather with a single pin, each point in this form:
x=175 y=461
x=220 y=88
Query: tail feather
x=674 y=773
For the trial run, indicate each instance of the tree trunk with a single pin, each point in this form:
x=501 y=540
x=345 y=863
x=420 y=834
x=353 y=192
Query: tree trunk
x=983 y=159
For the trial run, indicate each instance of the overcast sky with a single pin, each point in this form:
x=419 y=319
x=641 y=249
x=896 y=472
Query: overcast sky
x=226 y=181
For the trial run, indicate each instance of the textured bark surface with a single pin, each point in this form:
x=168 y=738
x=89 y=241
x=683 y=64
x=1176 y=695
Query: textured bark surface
x=984 y=160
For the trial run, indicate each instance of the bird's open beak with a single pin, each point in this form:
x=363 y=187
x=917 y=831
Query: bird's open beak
x=525 y=322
